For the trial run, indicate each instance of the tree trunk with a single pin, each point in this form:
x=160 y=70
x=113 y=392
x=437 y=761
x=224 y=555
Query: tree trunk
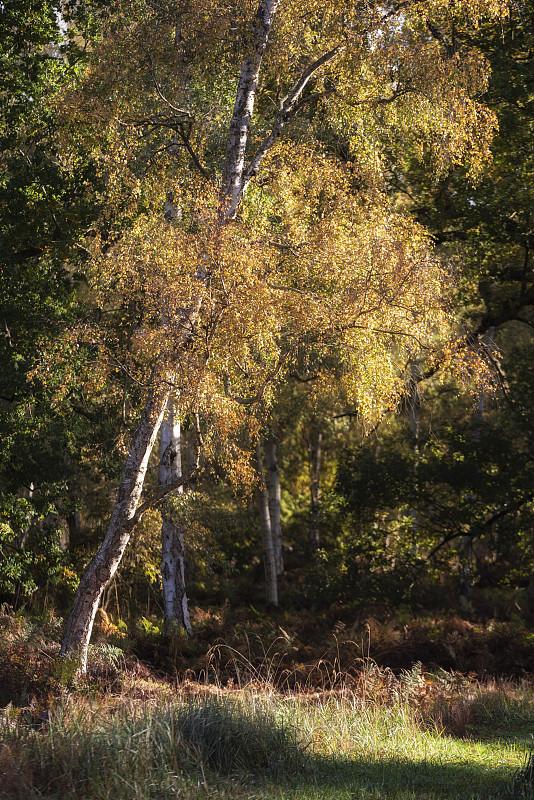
x=466 y=543
x=466 y=570
x=236 y=143
x=175 y=608
x=104 y=565
x=22 y=537
x=316 y=454
x=414 y=407
x=275 y=500
x=271 y=578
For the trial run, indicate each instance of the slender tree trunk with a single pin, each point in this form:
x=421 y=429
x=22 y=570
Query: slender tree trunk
x=104 y=565
x=236 y=143
x=530 y=588
x=271 y=578
x=466 y=543
x=480 y=407
x=466 y=569
x=316 y=458
x=272 y=477
x=176 y=611
x=414 y=407
x=22 y=537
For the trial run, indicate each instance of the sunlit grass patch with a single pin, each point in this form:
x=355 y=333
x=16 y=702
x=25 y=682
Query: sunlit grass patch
x=250 y=732
x=246 y=745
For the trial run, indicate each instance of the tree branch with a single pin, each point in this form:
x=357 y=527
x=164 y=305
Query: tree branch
x=187 y=144
x=256 y=398
x=289 y=107
x=503 y=512
x=181 y=111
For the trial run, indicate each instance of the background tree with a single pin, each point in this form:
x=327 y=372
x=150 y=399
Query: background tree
x=282 y=245
x=44 y=205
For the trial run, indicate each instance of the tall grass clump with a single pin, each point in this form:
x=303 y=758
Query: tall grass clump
x=144 y=752
x=233 y=738
x=522 y=785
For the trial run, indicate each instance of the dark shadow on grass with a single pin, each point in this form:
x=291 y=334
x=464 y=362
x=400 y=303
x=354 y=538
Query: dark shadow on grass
x=231 y=741
x=340 y=775
x=222 y=740
x=520 y=734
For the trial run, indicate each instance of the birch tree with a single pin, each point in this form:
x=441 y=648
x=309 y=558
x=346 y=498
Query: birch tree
x=274 y=491
x=286 y=246
x=175 y=606
x=267 y=537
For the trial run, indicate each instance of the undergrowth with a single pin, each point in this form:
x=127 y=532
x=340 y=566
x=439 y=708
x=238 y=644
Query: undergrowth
x=253 y=729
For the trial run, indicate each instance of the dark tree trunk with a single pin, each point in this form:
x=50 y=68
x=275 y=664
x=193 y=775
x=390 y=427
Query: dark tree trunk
x=316 y=456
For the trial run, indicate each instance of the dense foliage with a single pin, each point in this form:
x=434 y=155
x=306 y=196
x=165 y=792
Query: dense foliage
x=366 y=305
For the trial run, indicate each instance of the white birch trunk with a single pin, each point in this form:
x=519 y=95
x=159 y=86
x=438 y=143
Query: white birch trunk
x=175 y=607
x=236 y=144
x=271 y=578
x=104 y=565
x=272 y=478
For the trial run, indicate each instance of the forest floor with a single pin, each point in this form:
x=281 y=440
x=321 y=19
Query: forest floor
x=246 y=712
x=297 y=647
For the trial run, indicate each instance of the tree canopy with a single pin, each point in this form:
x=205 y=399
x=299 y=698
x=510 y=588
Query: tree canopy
x=206 y=202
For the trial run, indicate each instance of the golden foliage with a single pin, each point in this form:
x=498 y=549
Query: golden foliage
x=319 y=271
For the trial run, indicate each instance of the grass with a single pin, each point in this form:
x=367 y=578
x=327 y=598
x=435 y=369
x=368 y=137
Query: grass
x=253 y=729
x=252 y=743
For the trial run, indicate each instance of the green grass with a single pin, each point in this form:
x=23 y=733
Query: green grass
x=253 y=744
x=363 y=734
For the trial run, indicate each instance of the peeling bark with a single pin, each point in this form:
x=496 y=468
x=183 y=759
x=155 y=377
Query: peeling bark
x=104 y=565
x=236 y=143
x=175 y=607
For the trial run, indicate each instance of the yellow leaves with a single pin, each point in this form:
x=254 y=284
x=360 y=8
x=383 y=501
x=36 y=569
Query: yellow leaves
x=357 y=283
x=71 y=361
x=466 y=363
x=411 y=96
x=318 y=261
x=473 y=10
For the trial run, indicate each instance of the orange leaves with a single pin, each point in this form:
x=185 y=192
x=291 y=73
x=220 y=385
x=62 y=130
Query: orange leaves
x=310 y=266
x=318 y=261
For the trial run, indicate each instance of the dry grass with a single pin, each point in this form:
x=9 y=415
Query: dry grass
x=382 y=734
x=252 y=724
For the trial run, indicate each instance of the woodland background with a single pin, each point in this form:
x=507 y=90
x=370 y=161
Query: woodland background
x=406 y=510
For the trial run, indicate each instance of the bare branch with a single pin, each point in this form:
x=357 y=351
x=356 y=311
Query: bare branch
x=187 y=144
x=255 y=398
x=181 y=111
x=289 y=107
